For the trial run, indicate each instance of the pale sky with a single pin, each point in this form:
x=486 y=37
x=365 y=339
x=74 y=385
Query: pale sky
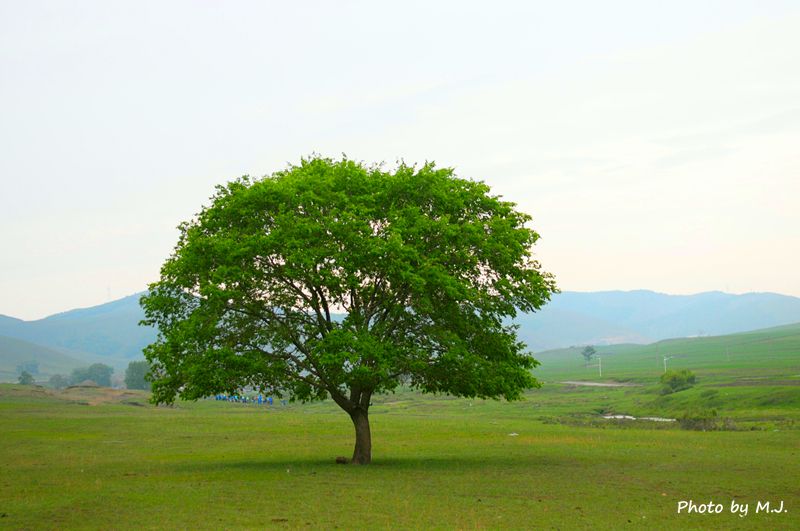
x=656 y=144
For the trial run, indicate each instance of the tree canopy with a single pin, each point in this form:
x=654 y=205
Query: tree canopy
x=588 y=353
x=136 y=375
x=337 y=279
x=99 y=373
x=58 y=381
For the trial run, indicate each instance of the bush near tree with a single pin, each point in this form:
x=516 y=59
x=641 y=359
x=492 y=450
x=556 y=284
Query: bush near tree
x=673 y=381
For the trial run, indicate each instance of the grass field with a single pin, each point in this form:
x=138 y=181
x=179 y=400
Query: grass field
x=439 y=463
x=104 y=459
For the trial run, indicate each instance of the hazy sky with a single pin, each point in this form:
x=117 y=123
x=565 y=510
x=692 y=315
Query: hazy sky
x=656 y=144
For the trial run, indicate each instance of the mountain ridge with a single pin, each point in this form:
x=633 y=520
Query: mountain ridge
x=111 y=330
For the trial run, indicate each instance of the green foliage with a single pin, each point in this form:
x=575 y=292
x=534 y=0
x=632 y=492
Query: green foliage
x=135 y=375
x=26 y=378
x=674 y=381
x=425 y=267
x=588 y=353
x=59 y=381
x=99 y=373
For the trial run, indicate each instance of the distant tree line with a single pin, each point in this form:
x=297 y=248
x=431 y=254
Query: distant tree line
x=99 y=373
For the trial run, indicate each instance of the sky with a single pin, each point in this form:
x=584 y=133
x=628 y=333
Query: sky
x=654 y=143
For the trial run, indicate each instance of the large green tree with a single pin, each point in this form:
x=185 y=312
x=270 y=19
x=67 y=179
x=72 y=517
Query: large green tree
x=337 y=279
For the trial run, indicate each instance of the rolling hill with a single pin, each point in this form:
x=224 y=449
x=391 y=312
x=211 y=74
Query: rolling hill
x=110 y=332
x=14 y=352
x=612 y=317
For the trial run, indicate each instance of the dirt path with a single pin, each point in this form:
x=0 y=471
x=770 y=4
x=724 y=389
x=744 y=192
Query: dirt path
x=602 y=384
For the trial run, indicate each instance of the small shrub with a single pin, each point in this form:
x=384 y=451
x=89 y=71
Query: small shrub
x=674 y=381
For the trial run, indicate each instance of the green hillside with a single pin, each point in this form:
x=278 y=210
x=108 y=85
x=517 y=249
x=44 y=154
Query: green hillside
x=14 y=352
x=109 y=332
x=768 y=354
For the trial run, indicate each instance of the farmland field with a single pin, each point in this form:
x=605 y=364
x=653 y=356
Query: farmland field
x=97 y=458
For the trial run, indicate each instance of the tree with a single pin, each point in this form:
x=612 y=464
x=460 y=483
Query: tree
x=78 y=375
x=26 y=378
x=135 y=375
x=588 y=353
x=99 y=373
x=58 y=381
x=334 y=279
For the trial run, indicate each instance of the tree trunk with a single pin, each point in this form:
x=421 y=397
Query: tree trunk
x=362 y=454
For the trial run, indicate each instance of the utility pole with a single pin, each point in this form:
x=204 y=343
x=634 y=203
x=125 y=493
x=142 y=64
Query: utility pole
x=600 y=365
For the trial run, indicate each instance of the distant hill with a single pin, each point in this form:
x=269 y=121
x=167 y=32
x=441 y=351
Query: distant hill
x=14 y=352
x=611 y=317
x=110 y=332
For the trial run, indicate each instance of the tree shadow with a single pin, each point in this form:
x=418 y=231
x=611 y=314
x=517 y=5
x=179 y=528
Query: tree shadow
x=404 y=463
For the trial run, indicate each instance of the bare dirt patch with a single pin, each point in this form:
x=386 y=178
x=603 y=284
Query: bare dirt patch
x=94 y=396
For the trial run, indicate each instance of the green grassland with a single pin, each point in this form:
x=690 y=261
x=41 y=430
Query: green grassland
x=94 y=458
x=752 y=379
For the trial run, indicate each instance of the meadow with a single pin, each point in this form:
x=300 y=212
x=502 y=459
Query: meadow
x=102 y=459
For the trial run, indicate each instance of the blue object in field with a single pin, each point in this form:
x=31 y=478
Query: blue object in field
x=269 y=400
x=260 y=400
